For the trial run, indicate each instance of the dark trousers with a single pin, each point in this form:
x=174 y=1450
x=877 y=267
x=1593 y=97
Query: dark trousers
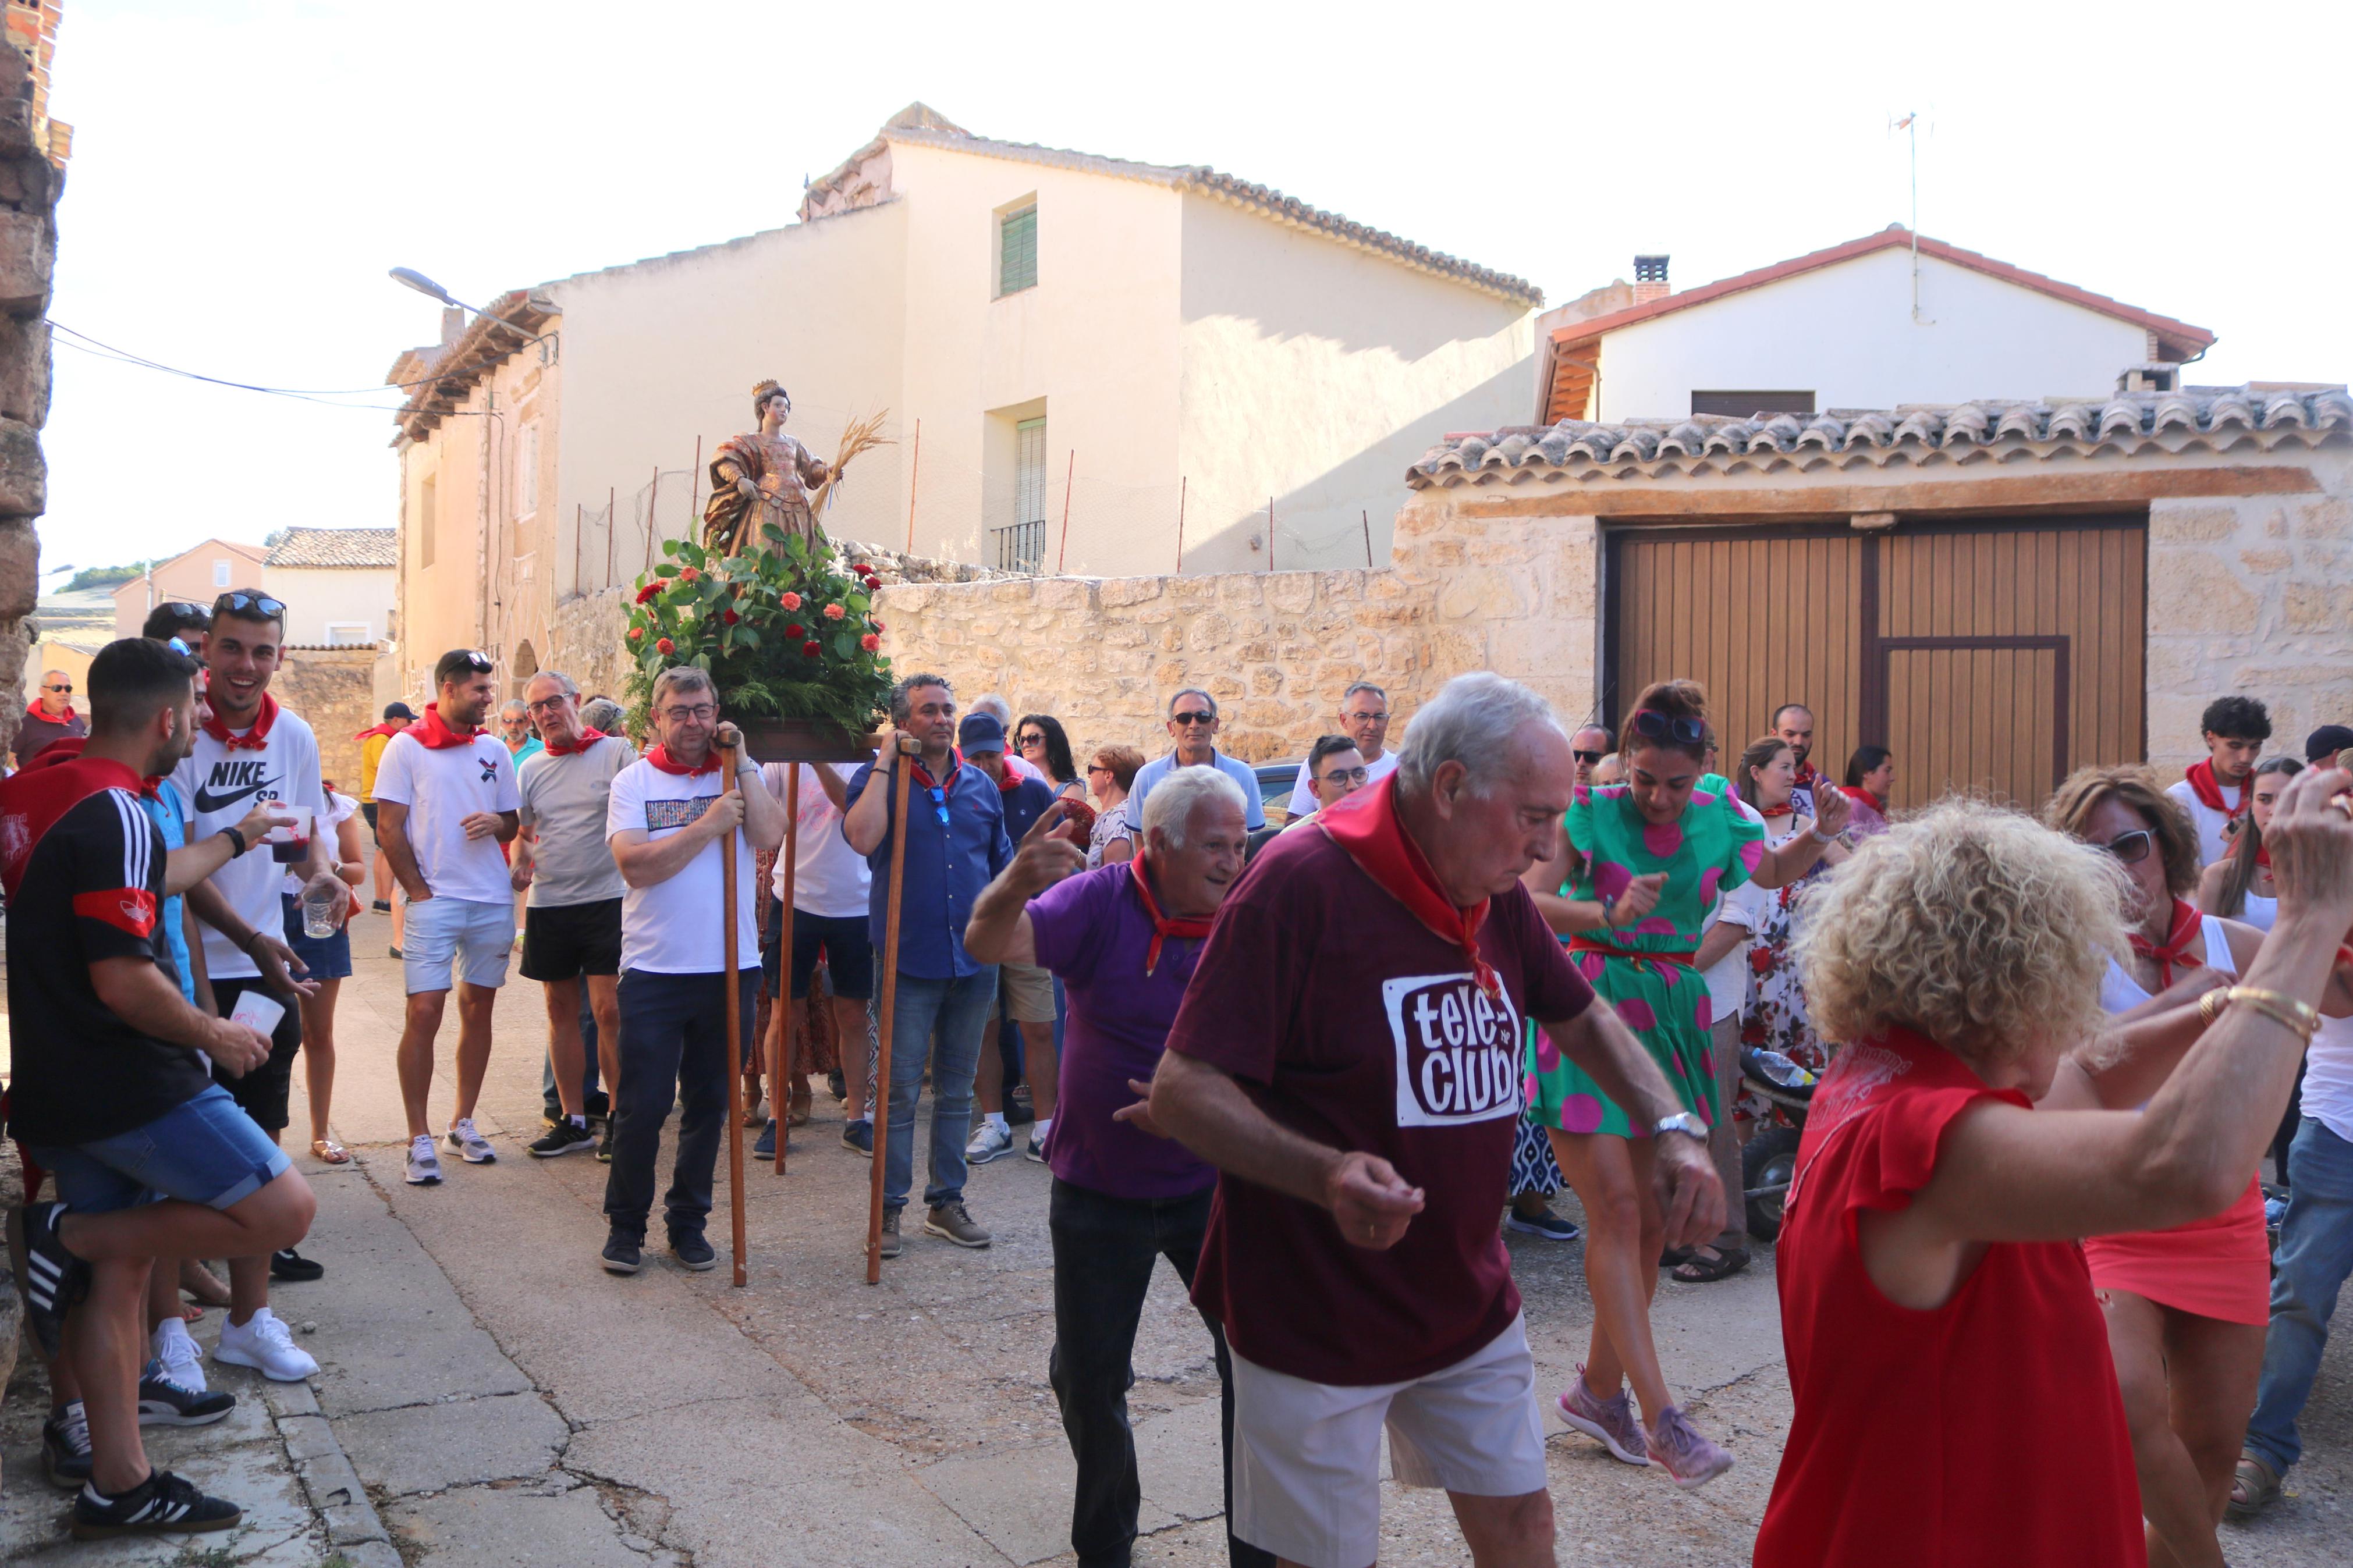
x=1104 y=1249
x=673 y=1044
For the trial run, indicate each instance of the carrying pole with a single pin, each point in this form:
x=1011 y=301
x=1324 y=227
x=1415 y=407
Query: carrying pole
x=780 y=1073
x=877 y=1090
x=734 y=1007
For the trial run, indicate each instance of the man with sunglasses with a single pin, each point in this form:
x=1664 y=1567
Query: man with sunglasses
x=445 y=801
x=1589 y=746
x=1193 y=724
x=1365 y=722
x=956 y=846
x=49 y=717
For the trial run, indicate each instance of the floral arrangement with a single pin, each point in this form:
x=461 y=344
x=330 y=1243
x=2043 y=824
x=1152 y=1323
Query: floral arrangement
x=785 y=632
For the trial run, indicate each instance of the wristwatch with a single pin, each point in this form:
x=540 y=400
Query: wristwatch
x=1681 y=1121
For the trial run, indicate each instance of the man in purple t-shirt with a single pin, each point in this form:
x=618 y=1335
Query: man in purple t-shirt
x=1368 y=982
x=1123 y=940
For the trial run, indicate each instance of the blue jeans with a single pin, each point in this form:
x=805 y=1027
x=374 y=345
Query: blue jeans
x=2316 y=1254
x=954 y=1011
x=673 y=1043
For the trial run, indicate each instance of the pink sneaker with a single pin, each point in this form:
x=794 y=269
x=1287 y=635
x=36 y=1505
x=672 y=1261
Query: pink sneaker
x=1610 y=1421
x=1677 y=1447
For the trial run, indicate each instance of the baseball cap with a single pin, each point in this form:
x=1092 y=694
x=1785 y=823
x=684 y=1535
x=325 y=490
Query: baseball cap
x=981 y=732
x=399 y=710
x=2327 y=742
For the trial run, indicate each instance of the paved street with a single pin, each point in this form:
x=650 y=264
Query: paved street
x=504 y=1402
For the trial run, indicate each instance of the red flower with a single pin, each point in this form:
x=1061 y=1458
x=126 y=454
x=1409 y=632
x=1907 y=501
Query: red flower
x=649 y=590
x=811 y=650
x=872 y=581
x=1760 y=959
x=636 y=634
x=794 y=629
x=790 y=600
x=730 y=616
x=870 y=642
x=691 y=575
x=665 y=646
x=834 y=611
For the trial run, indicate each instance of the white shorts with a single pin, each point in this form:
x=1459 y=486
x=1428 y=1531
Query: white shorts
x=1307 y=1456
x=474 y=939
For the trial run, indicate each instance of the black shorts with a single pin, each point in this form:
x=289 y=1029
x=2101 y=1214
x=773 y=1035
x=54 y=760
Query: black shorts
x=367 y=812
x=564 y=942
x=262 y=1092
x=844 y=940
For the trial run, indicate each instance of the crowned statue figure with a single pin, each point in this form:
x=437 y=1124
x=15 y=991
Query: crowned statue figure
x=761 y=476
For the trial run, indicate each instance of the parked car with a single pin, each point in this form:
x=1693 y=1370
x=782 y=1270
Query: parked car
x=1276 y=782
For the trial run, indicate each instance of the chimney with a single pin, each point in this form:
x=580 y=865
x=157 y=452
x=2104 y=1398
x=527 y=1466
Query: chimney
x=1650 y=279
x=453 y=325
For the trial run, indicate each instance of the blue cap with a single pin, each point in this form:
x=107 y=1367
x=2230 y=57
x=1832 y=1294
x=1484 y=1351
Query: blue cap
x=981 y=732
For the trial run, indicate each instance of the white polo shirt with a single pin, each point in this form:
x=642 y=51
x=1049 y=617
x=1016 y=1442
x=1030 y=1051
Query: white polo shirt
x=441 y=788
x=672 y=927
x=221 y=784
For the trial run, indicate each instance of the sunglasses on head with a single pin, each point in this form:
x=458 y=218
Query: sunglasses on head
x=239 y=603
x=478 y=661
x=2131 y=848
x=1587 y=758
x=1653 y=725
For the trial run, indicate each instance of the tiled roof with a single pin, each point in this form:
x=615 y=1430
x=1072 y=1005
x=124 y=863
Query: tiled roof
x=921 y=126
x=2214 y=419
x=354 y=547
x=442 y=382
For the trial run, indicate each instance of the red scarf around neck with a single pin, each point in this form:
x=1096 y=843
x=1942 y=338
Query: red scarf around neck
x=1862 y=796
x=658 y=755
x=1368 y=826
x=1188 y=927
x=2209 y=794
x=33 y=710
x=433 y=731
x=1788 y=808
x=386 y=728
x=2184 y=944
x=254 y=740
x=589 y=736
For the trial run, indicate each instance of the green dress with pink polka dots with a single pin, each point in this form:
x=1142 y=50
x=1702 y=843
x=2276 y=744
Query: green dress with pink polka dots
x=1646 y=972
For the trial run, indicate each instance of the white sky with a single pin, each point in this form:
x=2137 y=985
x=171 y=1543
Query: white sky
x=244 y=171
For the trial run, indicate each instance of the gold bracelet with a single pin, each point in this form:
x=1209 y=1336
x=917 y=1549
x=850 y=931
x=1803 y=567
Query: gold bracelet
x=2301 y=1018
x=2210 y=1005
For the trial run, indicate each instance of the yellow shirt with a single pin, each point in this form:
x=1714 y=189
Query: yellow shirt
x=371 y=754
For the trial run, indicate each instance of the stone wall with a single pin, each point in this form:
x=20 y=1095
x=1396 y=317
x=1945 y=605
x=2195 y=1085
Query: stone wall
x=29 y=186
x=333 y=688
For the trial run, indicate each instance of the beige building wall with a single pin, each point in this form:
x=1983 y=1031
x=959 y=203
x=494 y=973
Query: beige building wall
x=194 y=575
x=319 y=597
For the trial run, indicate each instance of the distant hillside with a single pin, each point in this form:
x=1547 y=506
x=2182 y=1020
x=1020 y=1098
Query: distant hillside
x=105 y=576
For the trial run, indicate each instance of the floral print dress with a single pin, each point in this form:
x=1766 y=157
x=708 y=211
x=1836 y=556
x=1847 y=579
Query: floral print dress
x=1645 y=972
x=1773 y=1016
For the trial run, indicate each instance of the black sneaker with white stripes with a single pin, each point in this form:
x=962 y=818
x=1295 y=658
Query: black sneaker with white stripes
x=566 y=1137
x=163 y=1502
x=65 y=1447
x=51 y=1279
x=163 y=1403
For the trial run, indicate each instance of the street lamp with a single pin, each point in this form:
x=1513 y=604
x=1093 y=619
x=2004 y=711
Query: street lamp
x=409 y=278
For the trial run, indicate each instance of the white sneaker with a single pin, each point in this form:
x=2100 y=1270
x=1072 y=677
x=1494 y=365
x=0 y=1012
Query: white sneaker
x=424 y=1165
x=991 y=1143
x=268 y=1346
x=181 y=1358
x=471 y=1145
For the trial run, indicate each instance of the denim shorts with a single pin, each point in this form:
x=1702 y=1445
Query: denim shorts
x=206 y=1151
x=472 y=937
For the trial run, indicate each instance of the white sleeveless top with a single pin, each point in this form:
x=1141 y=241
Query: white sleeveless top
x=2329 y=1077
x=2119 y=992
x=2261 y=912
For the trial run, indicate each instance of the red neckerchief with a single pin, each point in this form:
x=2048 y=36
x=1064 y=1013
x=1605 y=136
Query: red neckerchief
x=433 y=731
x=589 y=736
x=1368 y=826
x=254 y=740
x=923 y=776
x=1806 y=776
x=37 y=796
x=1191 y=927
x=2209 y=794
x=1769 y=813
x=659 y=757
x=1857 y=792
x=386 y=728
x=2182 y=945
x=1008 y=784
x=33 y=710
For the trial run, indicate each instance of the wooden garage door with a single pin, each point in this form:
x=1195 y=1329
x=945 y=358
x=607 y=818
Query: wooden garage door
x=1993 y=657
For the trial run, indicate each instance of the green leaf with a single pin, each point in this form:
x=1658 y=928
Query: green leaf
x=844 y=645
x=857 y=603
x=746 y=638
x=666 y=569
x=670 y=546
x=772 y=533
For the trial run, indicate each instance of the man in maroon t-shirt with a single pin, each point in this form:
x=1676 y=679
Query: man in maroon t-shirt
x=1367 y=981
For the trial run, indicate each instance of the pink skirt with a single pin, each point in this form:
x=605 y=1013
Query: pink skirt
x=2218 y=1268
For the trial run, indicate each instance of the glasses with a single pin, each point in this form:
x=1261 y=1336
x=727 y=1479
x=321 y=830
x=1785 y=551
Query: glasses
x=478 y=661
x=1347 y=775
x=2132 y=848
x=1032 y=739
x=240 y=603
x=1588 y=758
x=1362 y=718
x=549 y=703
x=1653 y=725
x=66 y=686
x=1094 y=768
x=1192 y=718
x=704 y=710
x=939 y=801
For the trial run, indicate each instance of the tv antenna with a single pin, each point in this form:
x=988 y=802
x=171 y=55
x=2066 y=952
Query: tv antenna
x=1910 y=125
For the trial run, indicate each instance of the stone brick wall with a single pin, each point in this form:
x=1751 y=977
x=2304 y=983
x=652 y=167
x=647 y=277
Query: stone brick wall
x=333 y=688
x=29 y=186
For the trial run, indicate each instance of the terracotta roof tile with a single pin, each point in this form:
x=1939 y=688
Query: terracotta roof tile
x=353 y=547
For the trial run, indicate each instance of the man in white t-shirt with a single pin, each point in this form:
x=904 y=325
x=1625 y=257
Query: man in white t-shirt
x=445 y=801
x=830 y=889
x=670 y=814
x=2216 y=790
x=572 y=929
x=248 y=749
x=1363 y=719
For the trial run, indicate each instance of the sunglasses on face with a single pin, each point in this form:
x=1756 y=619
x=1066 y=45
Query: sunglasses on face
x=1094 y=768
x=262 y=604
x=1192 y=718
x=65 y=686
x=1588 y=758
x=1653 y=725
x=1032 y=739
x=2131 y=848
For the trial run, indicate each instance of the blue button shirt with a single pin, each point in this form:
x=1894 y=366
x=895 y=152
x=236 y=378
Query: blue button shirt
x=1234 y=768
x=163 y=809
x=947 y=866
x=1024 y=804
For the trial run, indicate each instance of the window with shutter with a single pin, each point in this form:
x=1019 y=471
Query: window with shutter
x=1016 y=251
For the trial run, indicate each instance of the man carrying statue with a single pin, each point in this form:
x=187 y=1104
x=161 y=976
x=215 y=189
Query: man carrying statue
x=761 y=476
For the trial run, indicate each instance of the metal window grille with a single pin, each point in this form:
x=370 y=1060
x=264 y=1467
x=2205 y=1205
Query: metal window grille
x=1016 y=251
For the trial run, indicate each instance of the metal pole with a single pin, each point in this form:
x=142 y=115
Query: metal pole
x=579 y=542
x=734 y=1025
x=1069 y=476
x=780 y=1069
x=1182 y=484
x=1270 y=534
x=914 y=473
x=1367 y=517
x=653 y=496
x=693 y=497
x=612 y=512
x=881 y=1084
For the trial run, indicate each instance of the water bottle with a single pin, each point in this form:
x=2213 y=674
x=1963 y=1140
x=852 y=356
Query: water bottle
x=322 y=905
x=1782 y=1070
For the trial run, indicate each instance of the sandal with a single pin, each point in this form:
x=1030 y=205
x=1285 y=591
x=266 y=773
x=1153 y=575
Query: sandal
x=2253 y=1485
x=1676 y=1256
x=331 y=1153
x=202 y=1285
x=1698 y=1269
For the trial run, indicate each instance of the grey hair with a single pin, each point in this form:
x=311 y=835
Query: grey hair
x=901 y=694
x=514 y=705
x=1472 y=722
x=1357 y=685
x=563 y=682
x=681 y=678
x=605 y=714
x=1194 y=691
x=995 y=707
x=1169 y=807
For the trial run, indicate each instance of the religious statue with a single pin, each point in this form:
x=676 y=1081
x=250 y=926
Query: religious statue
x=761 y=476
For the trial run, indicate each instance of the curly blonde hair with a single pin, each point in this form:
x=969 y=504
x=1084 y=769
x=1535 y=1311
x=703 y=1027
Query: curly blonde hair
x=1974 y=925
